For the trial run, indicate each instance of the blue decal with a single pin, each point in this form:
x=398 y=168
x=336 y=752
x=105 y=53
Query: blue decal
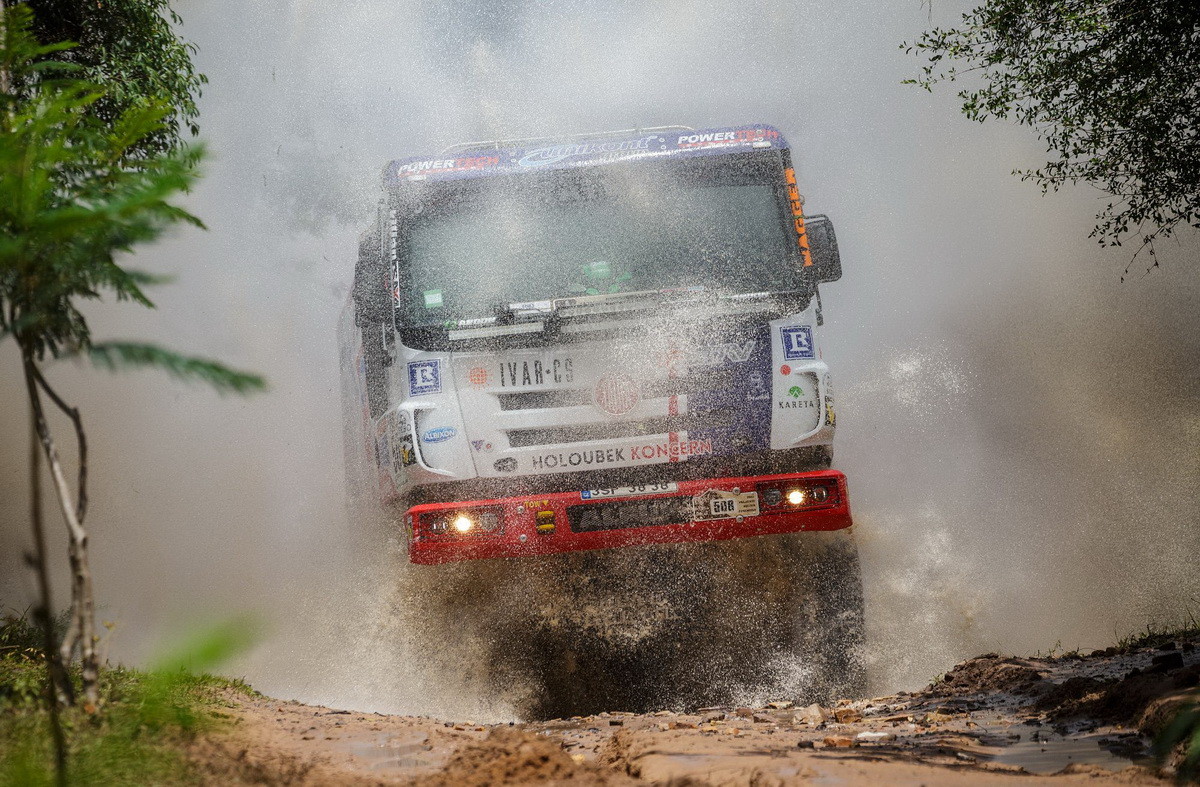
x=798 y=342
x=746 y=355
x=439 y=434
x=586 y=494
x=425 y=377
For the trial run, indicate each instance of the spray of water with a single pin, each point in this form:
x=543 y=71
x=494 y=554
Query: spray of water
x=1018 y=426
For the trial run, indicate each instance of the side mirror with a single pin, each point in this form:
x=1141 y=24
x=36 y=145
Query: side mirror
x=823 y=248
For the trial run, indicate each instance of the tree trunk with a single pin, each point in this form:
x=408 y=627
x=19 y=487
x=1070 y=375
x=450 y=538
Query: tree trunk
x=83 y=605
x=58 y=685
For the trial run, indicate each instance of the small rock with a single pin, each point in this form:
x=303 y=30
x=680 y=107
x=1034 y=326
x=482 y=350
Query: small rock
x=616 y=722
x=664 y=713
x=1166 y=662
x=874 y=737
x=846 y=715
x=763 y=719
x=663 y=726
x=682 y=725
x=813 y=715
x=936 y=718
x=779 y=705
x=804 y=744
x=744 y=713
x=840 y=742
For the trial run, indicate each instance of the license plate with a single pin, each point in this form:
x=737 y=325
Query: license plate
x=720 y=504
x=626 y=491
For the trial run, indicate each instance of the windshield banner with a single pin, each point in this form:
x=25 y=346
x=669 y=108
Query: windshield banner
x=585 y=152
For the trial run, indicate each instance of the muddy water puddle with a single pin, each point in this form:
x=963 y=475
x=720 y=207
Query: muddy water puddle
x=1039 y=751
x=392 y=752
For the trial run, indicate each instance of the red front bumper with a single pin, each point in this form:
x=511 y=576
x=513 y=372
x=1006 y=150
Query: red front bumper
x=571 y=521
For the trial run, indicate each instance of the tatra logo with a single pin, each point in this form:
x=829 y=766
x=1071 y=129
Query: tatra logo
x=515 y=374
x=616 y=394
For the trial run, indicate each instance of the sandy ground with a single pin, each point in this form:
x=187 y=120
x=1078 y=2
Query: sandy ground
x=991 y=720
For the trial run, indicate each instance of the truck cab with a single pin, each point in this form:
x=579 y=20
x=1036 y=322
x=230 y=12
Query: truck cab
x=597 y=342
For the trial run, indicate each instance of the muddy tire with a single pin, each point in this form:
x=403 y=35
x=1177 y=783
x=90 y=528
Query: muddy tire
x=685 y=626
x=830 y=622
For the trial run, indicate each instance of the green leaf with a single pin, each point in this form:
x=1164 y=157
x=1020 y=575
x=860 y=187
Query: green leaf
x=116 y=356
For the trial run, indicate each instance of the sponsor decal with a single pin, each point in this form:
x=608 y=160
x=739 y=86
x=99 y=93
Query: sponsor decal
x=758 y=387
x=722 y=138
x=674 y=449
x=506 y=465
x=439 y=434
x=785 y=370
x=433 y=299
x=599 y=456
x=795 y=392
x=544 y=157
x=616 y=394
x=482 y=446
x=403 y=441
x=478 y=376
x=797 y=342
x=425 y=377
x=436 y=166
x=721 y=353
x=797 y=404
x=708 y=355
x=830 y=416
x=517 y=374
x=720 y=504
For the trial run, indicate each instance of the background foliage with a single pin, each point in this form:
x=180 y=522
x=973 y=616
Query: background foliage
x=1112 y=86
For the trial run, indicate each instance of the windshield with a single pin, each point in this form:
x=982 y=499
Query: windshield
x=471 y=246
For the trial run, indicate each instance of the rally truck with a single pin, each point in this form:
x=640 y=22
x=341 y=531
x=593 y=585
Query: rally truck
x=610 y=342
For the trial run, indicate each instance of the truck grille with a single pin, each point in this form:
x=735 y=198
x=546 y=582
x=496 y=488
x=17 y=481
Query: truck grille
x=579 y=433
x=715 y=380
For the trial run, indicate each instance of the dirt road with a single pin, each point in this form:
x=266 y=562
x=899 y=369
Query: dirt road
x=991 y=720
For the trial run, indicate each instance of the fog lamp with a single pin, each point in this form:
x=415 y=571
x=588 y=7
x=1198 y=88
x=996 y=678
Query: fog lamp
x=796 y=496
x=463 y=523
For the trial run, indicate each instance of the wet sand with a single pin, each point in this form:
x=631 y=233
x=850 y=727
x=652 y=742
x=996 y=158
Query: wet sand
x=990 y=720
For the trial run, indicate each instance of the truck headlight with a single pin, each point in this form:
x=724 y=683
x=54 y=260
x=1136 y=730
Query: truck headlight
x=462 y=522
x=804 y=493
